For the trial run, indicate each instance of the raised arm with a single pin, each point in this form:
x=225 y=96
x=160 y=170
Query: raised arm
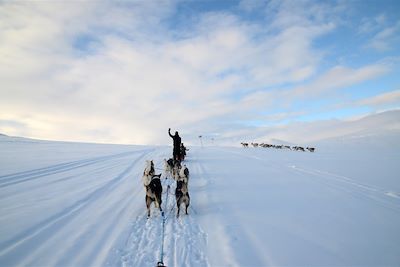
x=169 y=132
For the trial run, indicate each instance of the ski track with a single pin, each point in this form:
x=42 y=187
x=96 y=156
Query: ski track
x=68 y=178
x=28 y=240
x=15 y=178
x=203 y=180
x=106 y=234
x=381 y=197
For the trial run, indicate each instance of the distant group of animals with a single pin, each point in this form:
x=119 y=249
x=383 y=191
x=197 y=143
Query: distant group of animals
x=295 y=148
x=153 y=187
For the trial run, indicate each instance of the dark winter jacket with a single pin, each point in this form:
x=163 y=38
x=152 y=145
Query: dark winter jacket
x=177 y=140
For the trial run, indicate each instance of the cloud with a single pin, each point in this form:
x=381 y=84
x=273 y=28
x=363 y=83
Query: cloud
x=332 y=82
x=382 y=99
x=121 y=72
x=251 y=5
x=44 y=80
x=382 y=32
x=369 y=25
x=14 y=127
x=386 y=38
x=317 y=132
x=340 y=77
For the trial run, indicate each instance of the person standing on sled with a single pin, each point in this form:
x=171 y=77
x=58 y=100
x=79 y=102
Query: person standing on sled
x=177 y=145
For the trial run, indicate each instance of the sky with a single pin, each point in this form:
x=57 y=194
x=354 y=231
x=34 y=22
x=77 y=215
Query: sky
x=126 y=71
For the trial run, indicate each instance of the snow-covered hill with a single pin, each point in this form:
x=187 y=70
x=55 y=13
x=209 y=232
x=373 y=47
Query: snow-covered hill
x=74 y=204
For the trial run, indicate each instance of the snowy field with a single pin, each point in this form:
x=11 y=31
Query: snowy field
x=75 y=204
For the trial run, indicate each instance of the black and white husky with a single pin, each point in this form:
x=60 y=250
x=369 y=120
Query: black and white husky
x=182 y=189
x=153 y=193
x=153 y=187
x=182 y=196
x=184 y=174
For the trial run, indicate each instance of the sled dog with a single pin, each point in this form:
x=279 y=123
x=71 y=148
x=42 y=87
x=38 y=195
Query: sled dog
x=176 y=169
x=168 y=167
x=148 y=172
x=182 y=196
x=184 y=174
x=153 y=193
x=149 y=169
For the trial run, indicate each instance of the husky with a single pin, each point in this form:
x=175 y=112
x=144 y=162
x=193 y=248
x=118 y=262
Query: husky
x=184 y=174
x=168 y=167
x=149 y=169
x=153 y=193
x=148 y=172
x=176 y=169
x=182 y=196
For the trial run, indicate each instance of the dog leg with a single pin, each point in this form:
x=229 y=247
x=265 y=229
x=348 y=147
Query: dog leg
x=162 y=213
x=179 y=207
x=187 y=203
x=148 y=203
x=159 y=202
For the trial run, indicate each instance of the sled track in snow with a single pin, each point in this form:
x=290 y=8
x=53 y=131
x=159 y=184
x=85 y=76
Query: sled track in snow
x=382 y=197
x=356 y=189
x=29 y=239
x=24 y=176
x=96 y=182
x=184 y=243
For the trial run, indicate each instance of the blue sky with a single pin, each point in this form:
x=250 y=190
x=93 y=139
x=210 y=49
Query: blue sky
x=124 y=72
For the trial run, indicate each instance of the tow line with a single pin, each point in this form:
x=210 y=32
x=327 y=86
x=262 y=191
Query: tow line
x=160 y=263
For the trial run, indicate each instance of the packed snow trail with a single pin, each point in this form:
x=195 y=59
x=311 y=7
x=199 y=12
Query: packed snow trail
x=184 y=244
x=88 y=209
x=70 y=204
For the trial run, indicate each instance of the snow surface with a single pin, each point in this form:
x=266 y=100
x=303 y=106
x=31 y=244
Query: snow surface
x=76 y=204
